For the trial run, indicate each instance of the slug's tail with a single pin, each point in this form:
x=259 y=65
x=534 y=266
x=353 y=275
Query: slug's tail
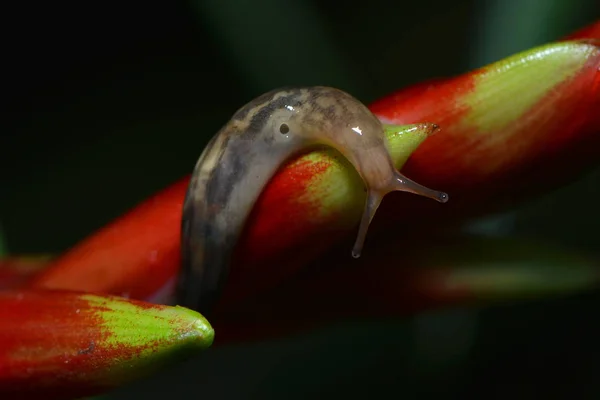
x=400 y=183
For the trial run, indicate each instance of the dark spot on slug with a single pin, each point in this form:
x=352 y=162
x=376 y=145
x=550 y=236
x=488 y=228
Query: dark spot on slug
x=260 y=119
x=233 y=170
x=242 y=113
x=284 y=128
x=330 y=112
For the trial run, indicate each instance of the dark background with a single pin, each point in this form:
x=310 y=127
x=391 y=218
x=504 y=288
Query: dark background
x=107 y=102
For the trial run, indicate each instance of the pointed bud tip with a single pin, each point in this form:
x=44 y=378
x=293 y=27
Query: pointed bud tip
x=429 y=128
x=197 y=324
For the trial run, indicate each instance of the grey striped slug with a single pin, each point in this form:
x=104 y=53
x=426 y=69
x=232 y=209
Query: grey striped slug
x=244 y=155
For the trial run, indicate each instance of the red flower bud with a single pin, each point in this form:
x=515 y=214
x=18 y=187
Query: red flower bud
x=65 y=345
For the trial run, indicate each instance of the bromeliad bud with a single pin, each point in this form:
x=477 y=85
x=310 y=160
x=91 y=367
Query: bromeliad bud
x=66 y=345
x=510 y=130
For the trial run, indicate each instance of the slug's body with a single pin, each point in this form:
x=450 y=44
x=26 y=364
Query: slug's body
x=240 y=160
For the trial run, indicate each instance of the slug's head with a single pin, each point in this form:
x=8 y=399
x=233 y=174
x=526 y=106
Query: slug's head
x=277 y=120
x=300 y=117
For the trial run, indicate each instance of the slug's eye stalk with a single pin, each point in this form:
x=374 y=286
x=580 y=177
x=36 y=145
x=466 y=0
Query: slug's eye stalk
x=374 y=197
x=284 y=129
x=407 y=185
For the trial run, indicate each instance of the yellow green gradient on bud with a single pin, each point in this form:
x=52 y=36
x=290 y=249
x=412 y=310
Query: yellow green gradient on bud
x=67 y=344
x=505 y=91
x=339 y=190
x=160 y=333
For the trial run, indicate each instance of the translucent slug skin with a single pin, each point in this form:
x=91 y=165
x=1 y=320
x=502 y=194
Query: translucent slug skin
x=240 y=160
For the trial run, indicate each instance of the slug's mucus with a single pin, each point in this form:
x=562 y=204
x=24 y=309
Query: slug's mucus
x=240 y=160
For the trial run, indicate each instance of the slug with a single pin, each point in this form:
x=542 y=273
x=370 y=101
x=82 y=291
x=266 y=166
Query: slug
x=244 y=155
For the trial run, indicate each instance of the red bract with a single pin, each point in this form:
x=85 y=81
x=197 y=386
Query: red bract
x=508 y=130
x=505 y=129
x=136 y=255
x=65 y=345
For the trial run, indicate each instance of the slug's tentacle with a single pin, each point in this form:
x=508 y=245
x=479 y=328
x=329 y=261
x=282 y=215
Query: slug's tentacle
x=399 y=183
x=374 y=198
x=403 y=184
